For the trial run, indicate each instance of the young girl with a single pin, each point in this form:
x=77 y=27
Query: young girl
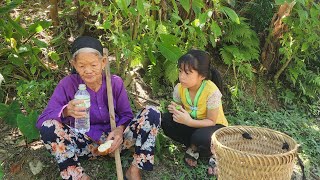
x=196 y=112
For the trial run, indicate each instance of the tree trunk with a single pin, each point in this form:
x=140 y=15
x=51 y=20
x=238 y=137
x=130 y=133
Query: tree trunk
x=270 y=52
x=284 y=66
x=54 y=12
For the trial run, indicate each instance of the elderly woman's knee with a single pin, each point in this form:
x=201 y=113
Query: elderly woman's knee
x=154 y=115
x=48 y=128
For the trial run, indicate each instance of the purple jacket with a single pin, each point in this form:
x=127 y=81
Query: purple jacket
x=99 y=112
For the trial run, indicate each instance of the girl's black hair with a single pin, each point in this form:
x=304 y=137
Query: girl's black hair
x=199 y=61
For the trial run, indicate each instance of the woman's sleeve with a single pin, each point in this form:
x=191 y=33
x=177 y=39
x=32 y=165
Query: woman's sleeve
x=56 y=104
x=176 y=95
x=122 y=109
x=214 y=100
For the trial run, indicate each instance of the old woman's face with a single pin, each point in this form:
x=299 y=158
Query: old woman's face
x=89 y=66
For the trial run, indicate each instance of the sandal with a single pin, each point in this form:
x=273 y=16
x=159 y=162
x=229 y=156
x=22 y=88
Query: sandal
x=191 y=157
x=212 y=167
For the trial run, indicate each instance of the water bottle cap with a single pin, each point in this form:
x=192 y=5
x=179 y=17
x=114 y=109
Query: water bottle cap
x=82 y=86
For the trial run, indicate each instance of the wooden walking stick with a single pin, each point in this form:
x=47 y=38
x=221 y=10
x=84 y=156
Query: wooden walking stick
x=111 y=112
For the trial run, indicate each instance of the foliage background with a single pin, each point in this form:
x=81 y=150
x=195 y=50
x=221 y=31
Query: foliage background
x=149 y=36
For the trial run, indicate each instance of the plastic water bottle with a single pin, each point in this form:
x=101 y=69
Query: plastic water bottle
x=82 y=125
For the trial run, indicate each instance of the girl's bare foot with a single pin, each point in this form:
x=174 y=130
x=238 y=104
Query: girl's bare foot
x=133 y=173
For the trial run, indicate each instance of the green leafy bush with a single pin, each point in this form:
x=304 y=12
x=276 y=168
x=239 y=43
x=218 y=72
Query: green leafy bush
x=258 y=12
x=21 y=51
x=141 y=35
x=240 y=47
x=301 y=52
x=34 y=95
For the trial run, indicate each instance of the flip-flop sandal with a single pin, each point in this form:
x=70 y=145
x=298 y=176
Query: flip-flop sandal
x=213 y=166
x=192 y=156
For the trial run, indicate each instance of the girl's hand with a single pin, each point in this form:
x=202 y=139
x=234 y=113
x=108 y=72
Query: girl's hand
x=117 y=136
x=72 y=109
x=181 y=116
x=173 y=106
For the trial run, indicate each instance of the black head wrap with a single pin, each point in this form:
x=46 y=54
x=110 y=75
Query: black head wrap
x=86 y=42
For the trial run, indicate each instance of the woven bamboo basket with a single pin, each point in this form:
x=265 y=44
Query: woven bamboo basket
x=253 y=153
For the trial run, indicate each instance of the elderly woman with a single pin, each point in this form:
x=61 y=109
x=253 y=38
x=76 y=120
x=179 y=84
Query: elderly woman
x=56 y=123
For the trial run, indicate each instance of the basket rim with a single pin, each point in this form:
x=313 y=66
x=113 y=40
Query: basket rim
x=292 y=151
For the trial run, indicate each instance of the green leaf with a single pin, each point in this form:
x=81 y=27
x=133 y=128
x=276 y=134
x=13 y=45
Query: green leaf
x=171 y=72
x=196 y=23
x=26 y=124
x=123 y=5
x=175 y=17
x=197 y=5
x=215 y=28
x=232 y=3
x=314 y=12
x=133 y=11
x=170 y=52
x=231 y=14
x=11 y=114
x=303 y=15
x=185 y=4
x=304 y=46
x=39 y=26
x=13 y=4
x=36 y=50
x=3 y=110
x=16 y=60
x=161 y=29
x=226 y=55
x=54 y=56
x=44 y=74
x=106 y=25
x=136 y=57
x=140 y=7
x=203 y=18
x=169 y=39
x=151 y=56
x=280 y=2
x=246 y=69
x=33 y=70
x=1 y=172
x=213 y=41
x=40 y=43
x=24 y=49
x=17 y=27
x=176 y=10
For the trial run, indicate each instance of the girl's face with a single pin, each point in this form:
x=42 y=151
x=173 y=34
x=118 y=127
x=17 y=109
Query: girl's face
x=89 y=67
x=189 y=78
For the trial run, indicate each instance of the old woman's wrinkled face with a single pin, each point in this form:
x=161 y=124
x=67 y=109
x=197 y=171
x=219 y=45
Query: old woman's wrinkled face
x=89 y=66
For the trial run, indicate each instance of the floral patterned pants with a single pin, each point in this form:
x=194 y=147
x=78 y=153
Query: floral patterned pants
x=66 y=145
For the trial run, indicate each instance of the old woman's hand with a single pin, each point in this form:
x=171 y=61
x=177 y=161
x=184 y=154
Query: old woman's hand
x=117 y=136
x=73 y=109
